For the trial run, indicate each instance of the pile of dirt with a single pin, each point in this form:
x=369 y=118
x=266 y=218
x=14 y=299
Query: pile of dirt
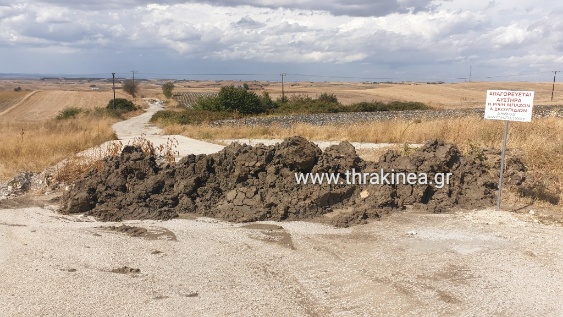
x=243 y=183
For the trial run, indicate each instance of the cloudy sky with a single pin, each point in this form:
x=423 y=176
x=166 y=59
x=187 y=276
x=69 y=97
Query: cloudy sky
x=426 y=40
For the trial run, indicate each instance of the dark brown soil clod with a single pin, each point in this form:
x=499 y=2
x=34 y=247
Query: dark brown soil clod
x=126 y=270
x=243 y=183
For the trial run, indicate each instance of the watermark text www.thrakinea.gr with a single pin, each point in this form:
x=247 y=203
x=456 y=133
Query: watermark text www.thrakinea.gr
x=374 y=178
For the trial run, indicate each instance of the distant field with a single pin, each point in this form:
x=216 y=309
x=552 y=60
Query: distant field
x=47 y=104
x=58 y=94
x=446 y=96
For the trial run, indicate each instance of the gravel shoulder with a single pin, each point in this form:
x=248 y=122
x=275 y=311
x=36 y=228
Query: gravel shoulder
x=479 y=263
x=321 y=119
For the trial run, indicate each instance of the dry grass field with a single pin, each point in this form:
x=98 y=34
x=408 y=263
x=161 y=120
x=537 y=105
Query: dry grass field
x=47 y=104
x=34 y=146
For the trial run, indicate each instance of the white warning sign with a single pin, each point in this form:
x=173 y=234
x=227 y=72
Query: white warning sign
x=509 y=105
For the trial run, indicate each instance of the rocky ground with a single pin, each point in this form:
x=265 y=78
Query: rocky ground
x=354 y=117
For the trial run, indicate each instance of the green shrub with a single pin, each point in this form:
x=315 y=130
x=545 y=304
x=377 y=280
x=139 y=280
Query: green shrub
x=167 y=89
x=374 y=106
x=234 y=99
x=304 y=104
x=266 y=101
x=68 y=113
x=209 y=103
x=122 y=105
x=326 y=97
x=239 y=99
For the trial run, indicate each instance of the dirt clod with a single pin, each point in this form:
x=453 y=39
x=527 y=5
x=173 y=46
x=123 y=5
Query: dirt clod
x=125 y=270
x=243 y=183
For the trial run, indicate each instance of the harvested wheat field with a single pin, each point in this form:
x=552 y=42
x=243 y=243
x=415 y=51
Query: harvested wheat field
x=10 y=98
x=42 y=105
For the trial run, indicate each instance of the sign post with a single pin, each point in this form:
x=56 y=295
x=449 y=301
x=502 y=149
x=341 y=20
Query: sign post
x=508 y=106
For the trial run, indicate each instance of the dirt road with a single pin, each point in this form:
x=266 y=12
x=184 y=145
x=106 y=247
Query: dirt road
x=139 y=126
x=480 y=263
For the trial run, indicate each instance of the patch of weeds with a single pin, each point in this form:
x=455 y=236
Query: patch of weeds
x=476 y=151
x=407 y=149
x=68 y=113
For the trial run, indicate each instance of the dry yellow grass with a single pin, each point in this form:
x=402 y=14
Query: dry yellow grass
x=540 y=142
x=34 y=146
x=44 y=105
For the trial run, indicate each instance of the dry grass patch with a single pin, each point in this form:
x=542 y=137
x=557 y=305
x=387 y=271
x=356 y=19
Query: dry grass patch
x=34 y=146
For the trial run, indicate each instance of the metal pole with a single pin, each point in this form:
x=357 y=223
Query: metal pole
x=283 y=95
x=502 y=164
x=134 y=96
x=553 y=88
x=113 y=87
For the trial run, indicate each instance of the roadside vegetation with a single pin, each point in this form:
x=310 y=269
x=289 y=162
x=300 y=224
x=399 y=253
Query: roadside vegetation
x=34 y=146
x=236 y=102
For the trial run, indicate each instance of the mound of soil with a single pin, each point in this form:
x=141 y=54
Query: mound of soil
x=243 y=183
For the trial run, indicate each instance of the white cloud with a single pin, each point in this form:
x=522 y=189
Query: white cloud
x=389 y=34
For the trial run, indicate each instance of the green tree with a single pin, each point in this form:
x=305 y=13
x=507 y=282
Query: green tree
x=131 y=87
x=326 y=97
x=239 y=99
x=167 y=89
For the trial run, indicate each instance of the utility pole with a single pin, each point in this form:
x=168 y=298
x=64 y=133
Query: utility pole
x=553 y=88
x=134 y=95
x=113 y=87
x=283 y=94
x=470 y=72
